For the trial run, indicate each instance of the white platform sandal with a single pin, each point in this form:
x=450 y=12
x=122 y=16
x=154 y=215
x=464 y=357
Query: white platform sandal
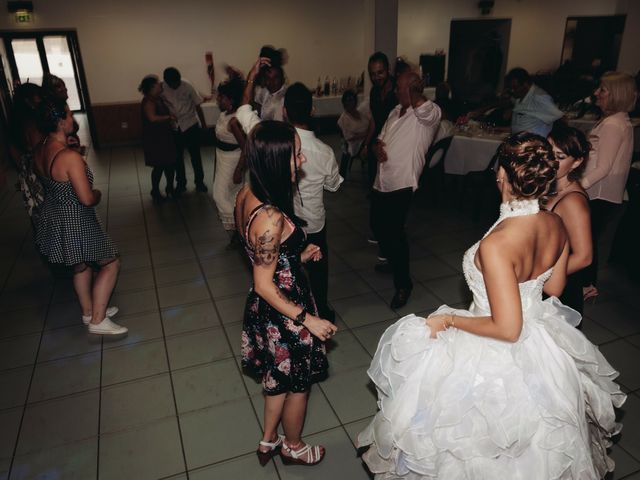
x=307 y=455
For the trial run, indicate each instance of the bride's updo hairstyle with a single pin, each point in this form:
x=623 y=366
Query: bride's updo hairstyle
x=530 y=165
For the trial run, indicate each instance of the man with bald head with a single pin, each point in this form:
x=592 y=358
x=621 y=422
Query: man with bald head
x=400 y=151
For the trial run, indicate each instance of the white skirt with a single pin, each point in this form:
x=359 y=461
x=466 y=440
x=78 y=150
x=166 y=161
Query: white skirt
x=224 y=190
x=468 y=407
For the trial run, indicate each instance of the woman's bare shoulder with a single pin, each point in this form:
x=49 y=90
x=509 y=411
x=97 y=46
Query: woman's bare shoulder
x=573 y=201
x=69 y=159
x=516 y=231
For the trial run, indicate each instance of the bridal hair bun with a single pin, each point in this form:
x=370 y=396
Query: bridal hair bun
x=529 y=164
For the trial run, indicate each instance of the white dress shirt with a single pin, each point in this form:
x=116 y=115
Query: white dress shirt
x=320 y=172
x=407 y=138
x=182 y=103
x=271 y=104
x=605 y=175
x=354 y=130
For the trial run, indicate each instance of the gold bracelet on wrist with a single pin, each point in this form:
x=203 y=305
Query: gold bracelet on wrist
x=453 y=322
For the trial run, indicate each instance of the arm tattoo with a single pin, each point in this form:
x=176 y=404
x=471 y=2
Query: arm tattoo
x=267 y=249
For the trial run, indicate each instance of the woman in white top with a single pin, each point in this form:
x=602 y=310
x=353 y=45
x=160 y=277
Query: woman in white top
x=355 y=124
x=230 y=138
x=610 y=159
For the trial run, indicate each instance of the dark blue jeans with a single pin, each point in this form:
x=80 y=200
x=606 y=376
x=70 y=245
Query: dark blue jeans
x=388 y=217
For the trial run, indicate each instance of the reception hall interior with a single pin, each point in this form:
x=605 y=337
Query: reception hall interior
x=170 y=398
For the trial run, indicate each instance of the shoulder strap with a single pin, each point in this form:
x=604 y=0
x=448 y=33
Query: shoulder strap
x=53 y=159
x=566 y=195
x=252 y=215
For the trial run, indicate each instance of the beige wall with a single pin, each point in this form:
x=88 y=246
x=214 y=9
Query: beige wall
x=122 y=40
x=537 y=27
x=629 y=60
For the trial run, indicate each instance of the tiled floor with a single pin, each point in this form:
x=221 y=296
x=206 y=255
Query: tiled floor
x=169 y=400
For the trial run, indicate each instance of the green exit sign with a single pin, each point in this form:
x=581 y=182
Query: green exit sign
x=22 y=16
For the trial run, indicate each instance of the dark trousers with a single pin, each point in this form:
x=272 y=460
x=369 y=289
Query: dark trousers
x=388 y=216
x=345 y=162
x=319 y=271
x=372 y=167
x=156 y=175
x=189 y=139
x=601 y=214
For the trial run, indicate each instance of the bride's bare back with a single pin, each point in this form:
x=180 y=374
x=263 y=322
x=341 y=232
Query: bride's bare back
x=533 y=243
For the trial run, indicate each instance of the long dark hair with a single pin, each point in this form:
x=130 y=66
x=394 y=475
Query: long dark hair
x=574 y=143
x=23 y=112
x=268 y=151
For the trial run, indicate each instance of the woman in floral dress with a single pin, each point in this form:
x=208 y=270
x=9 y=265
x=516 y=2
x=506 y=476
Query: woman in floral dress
x=282 y=338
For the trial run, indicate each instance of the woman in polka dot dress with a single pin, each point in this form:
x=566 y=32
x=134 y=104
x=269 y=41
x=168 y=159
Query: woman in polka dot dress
x=69 y=233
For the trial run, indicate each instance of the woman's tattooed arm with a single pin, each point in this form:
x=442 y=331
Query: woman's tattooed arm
x=267 y=243
x=267 y=249
x=268 y=229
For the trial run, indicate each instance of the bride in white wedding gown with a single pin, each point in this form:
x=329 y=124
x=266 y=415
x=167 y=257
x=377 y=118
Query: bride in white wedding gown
x=507 y=389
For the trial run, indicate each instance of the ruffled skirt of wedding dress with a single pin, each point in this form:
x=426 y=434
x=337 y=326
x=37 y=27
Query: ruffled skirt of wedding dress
x=468 y=407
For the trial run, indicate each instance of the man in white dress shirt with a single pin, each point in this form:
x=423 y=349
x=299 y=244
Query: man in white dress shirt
x=184 y=103
x=400 y=151
x=319 y=173
x=271 y=96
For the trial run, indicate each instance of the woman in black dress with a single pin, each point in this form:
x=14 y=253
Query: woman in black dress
x=157 y=136
x=571 y=203
x=283 y=338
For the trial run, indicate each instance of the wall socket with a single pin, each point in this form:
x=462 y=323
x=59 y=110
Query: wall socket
x=124 y=125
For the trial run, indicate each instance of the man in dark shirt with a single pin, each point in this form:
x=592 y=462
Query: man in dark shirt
x=382 y=99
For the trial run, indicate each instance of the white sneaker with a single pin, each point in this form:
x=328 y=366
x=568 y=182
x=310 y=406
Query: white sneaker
x=111 y=312
x=107 y=327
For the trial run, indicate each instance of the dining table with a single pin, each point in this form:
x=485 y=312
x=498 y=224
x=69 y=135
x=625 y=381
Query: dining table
x=325 y=106
x=472 y=150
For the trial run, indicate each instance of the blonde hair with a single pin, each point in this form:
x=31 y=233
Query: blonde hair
x=622 y=91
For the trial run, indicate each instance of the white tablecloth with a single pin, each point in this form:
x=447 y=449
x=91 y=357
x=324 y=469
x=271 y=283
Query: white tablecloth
x=211 y=113
x=471 y=153
x=330 y=105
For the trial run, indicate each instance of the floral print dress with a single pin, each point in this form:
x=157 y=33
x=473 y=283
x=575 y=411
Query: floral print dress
x=284 y=355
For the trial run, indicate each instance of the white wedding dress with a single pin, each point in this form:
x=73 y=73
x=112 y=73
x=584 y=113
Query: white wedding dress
x=468 y=407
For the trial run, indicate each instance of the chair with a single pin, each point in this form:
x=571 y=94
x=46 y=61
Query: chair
x=346 y=160
x=432 y=177
x=481 y=188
